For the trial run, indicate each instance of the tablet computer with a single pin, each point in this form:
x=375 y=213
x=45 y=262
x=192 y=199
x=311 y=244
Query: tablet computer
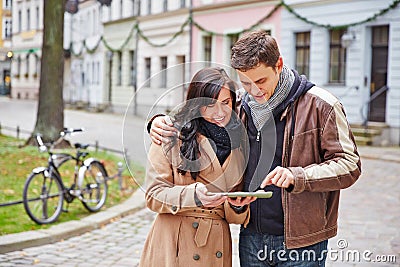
x=257 y=194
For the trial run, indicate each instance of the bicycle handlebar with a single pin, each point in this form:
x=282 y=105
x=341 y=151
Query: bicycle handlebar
x=66 y=131
x=72 y=130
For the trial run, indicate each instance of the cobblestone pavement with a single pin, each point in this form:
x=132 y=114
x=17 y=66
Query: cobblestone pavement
x=369 y=221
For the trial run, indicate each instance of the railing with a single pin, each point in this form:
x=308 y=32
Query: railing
x=368 y=103
x=18 y=131
x=348 y=91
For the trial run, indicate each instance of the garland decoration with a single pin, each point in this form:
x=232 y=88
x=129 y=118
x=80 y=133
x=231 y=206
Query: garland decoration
x=343 y=26
x=147 y=40
x=190 y=20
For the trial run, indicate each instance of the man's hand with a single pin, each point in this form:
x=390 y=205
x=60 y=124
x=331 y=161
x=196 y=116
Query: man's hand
x=281 y=177
x=241 y=201
x=207 y=200
x=161 y=129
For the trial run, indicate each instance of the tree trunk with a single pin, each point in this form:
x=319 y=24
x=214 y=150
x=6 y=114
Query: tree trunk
x=50 y=113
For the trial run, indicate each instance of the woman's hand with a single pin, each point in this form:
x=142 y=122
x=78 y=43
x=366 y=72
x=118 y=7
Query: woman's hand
x=207 y=200
x=241 y=201
x=161 y=129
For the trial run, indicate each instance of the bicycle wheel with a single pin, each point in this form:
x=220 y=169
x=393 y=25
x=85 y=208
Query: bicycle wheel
x=43 y=198
x=94 y=187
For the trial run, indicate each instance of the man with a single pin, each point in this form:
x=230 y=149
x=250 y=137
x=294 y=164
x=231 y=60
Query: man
x=301 y=148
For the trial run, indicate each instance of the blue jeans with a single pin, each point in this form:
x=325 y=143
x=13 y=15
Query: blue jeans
x=256 y=250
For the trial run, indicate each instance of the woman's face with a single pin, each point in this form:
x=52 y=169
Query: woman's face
x=219 y=112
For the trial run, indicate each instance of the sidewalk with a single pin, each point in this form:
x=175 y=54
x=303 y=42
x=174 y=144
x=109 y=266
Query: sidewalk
x=70 y=229
x=66 y=230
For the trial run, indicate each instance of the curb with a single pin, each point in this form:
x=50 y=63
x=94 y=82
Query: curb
x=19 y=241
x=390 y=154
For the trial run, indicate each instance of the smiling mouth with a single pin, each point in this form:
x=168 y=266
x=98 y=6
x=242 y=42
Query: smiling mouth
x=260 y=96
x=219 y=119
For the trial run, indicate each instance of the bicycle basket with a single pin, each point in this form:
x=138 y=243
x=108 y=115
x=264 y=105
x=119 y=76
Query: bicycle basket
x=59 y=159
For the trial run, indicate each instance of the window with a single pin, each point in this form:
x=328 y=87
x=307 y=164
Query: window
x=94 y=78
x=94 y=22
x=121 y=8
x=37 y=65
x=88 y=82
x=148 y=7
x=7 y=4
x=37 y=17
x=132 y=72
x=163 y=63
x=19 y=21
x=207 y=42
x=303 y=53
x=19 y=66
x=136 y=8
x=28 y=19
x=232 y=40
x=183 y=3
x=337 y=59
x=98 y=72
x=119 y=74
x=7 y=29
x=147 y=71
x=27 y=65
x=165 y=5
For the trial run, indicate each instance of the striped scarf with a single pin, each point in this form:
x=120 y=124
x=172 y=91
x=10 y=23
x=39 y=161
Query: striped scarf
x=261 y=113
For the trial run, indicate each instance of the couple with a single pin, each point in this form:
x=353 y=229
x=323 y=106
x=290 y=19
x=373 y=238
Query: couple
x=300 y=147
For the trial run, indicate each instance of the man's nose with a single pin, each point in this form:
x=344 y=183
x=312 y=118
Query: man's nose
x=254 y=90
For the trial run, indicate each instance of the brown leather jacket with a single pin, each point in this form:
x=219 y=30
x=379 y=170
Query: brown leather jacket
x=322 y=155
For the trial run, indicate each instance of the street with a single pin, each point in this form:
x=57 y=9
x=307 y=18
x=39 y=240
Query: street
x=111 y=130
x=368 y=219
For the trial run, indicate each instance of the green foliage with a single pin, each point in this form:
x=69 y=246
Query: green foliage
x=17 y=163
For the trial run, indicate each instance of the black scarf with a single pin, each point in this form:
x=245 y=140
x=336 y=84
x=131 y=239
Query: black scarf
x=224 y=139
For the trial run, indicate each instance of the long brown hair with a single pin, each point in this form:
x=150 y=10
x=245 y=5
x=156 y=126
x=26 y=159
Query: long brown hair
x=203 y=90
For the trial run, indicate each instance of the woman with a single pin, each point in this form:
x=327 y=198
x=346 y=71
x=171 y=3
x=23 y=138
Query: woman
x=192 y=226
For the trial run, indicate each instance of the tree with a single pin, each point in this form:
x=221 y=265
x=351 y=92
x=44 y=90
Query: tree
x=50 y=113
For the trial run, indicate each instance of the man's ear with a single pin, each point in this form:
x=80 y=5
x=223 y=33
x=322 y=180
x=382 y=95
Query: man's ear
x=279 y=64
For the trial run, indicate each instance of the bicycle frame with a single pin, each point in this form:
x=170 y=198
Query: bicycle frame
x=44 y=190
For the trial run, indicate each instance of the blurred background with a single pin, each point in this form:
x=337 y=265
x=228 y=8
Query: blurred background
x=113 y=47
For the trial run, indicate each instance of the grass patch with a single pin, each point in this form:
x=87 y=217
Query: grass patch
x=17 y=163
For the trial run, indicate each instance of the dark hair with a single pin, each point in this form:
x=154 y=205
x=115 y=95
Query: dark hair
x=203 y=90
x=254 y=48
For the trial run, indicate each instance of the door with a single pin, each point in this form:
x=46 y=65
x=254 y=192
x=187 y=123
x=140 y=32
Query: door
x=377 y=106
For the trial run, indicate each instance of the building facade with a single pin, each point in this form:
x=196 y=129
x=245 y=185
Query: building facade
x=84 y=64
x=354 y=57
x=5 y=46
x=139 y=55
x=145 y=55
x=27 y=35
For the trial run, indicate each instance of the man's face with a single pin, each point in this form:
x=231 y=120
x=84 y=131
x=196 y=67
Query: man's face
x=261 y=81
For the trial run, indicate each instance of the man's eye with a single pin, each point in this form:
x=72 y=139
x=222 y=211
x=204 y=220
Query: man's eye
x=260 y=81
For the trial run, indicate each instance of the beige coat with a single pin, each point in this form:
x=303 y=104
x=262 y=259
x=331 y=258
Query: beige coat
x=184 y=234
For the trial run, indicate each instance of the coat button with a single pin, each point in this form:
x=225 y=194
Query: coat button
x=195 y=225
x=196 y=257
x=174 y=208
x=219 y=254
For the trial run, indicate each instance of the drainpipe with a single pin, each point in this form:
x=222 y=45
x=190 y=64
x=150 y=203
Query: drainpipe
x=135 y=59
x=190 y=43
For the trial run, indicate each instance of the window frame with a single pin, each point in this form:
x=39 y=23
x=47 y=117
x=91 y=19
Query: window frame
x=338 y=66
x=302 y=65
